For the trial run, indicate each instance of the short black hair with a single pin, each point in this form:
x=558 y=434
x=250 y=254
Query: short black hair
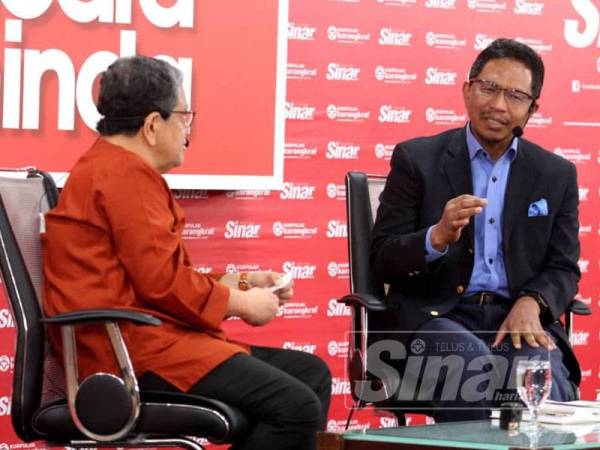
x=509 y=48
x=133 y=87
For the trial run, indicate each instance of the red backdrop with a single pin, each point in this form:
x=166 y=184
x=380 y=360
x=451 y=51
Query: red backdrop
x=361 y=76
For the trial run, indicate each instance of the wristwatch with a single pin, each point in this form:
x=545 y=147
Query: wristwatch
x=538 y=298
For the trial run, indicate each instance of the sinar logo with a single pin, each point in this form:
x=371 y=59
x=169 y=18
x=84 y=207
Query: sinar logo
x=5 y=406
x=583 y=32
x=6 y=319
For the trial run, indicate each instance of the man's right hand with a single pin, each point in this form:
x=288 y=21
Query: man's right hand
x=260 y=306
x=457 y=213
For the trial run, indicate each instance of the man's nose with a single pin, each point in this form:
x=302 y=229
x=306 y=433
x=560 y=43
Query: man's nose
x=498 y=101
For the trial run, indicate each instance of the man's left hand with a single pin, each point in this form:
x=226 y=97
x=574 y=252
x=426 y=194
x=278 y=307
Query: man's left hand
x=523 y=322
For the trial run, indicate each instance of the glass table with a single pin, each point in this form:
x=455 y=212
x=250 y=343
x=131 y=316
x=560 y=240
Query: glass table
x=483 y=435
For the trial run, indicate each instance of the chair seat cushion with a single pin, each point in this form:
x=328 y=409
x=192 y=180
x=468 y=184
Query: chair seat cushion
x=168 y=414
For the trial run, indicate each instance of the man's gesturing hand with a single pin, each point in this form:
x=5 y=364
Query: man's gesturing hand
x=457 y=213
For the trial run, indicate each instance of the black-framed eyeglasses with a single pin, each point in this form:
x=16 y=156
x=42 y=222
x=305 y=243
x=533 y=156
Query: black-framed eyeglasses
x=513 y=97
x=188 y=117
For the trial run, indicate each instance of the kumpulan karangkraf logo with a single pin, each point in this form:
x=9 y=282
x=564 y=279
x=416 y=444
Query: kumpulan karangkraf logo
x=197 y=231
x=383 y=151
x=444 y=116
x=336 y=191
x=6 y=363
x=575 y=155
x=338 y=349
x=293 y=230
x=300 y=71
x=299 y=150
x=28 y=66
x=397 y=75
x=297 y=310
x=341 y=425
x=347 y=35
x=535 y=43
x=444 y=41
x=440 y=4
x=487 y=6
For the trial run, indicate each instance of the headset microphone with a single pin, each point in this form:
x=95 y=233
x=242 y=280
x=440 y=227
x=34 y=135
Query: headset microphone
x=517 y=132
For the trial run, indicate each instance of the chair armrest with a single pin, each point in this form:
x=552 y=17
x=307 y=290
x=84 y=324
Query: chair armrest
x=579 y=308
x=368 y=301
x=104 y=391
x=100 y=316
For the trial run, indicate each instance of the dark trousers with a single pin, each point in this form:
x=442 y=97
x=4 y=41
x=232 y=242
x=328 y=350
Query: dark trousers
x=285 y=393
x=473 y=376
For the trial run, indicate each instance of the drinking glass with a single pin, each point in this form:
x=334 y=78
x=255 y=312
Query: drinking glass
x=533 y=385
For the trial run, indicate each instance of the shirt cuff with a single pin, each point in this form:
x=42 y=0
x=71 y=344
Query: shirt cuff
x=431 y=254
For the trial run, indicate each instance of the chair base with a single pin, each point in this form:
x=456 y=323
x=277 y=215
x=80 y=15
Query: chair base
x=181 y=442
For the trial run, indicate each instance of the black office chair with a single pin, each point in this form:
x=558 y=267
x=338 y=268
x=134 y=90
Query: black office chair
x=370 y=316
x=104 y=410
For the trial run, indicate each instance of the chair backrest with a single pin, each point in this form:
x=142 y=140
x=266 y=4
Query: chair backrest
x=362 y=201
x=24 y=198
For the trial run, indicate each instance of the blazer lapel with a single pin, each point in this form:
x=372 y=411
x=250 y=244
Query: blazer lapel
x=457 y=167
x=522 y=178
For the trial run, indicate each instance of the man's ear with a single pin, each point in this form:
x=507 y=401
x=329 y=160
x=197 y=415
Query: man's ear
x=465 y=91
x=532 y=110
x=152 y=123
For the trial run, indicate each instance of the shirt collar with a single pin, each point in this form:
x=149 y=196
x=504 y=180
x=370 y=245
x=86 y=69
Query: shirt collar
x=475 y=147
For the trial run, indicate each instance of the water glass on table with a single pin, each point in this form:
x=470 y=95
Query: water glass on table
x=534 y=382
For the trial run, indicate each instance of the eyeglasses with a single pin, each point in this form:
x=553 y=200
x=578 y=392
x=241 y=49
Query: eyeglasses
x=188 y=117
x=513 y=97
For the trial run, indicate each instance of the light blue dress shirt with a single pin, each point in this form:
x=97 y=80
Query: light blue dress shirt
x=489 y=181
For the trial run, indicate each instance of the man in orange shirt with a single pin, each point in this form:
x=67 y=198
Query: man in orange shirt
x=114 y=240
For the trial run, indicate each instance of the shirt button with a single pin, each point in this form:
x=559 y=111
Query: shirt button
x=490 y=260
x=494 y=179
x=492 y=221
x=460 y=289
x=470 y=251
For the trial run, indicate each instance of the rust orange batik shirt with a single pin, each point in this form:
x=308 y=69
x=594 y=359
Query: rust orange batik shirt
x=114 y=240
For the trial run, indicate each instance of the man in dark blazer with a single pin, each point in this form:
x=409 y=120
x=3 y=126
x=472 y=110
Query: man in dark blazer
x=477 y=230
